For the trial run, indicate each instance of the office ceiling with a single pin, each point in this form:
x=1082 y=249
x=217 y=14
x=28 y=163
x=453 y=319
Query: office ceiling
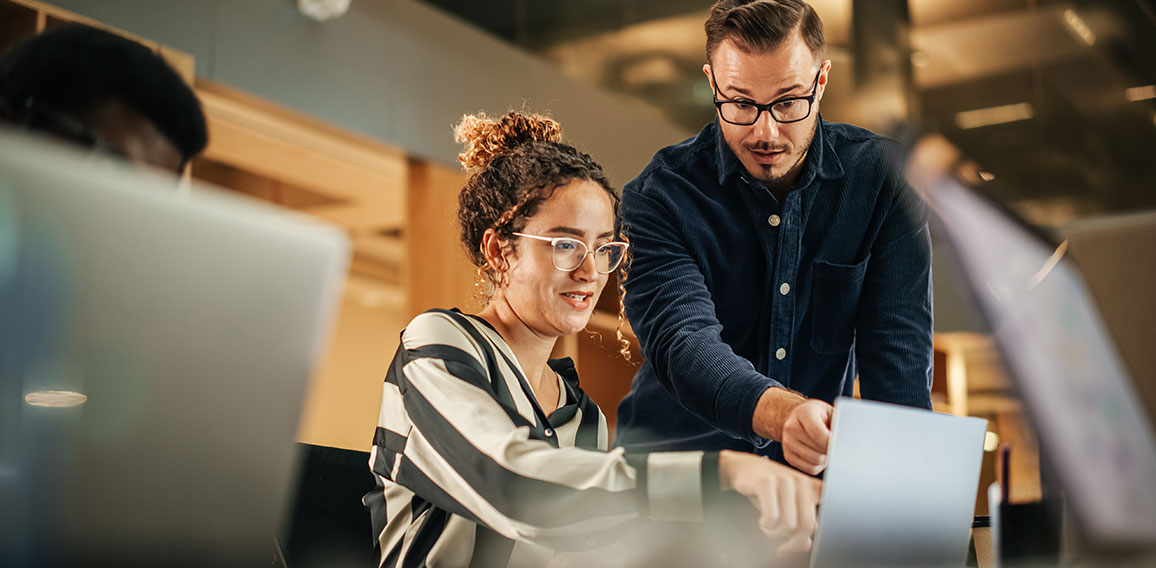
x=1067 y=78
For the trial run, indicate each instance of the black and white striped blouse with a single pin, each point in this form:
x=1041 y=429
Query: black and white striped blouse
x=471 y=472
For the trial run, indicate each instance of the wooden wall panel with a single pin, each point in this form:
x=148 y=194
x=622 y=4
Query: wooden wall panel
x=437 y=274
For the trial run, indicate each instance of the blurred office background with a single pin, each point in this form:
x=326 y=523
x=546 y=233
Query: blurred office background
x=349 y=119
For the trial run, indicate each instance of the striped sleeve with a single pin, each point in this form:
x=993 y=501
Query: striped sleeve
x=445 y=435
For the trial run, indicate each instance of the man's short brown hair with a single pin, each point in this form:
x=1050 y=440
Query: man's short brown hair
x=759 y=26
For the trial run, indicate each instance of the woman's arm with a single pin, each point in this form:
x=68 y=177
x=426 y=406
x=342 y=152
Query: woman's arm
x=443 y=434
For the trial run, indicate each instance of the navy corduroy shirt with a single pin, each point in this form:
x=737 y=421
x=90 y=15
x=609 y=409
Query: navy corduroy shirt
x=731 y=292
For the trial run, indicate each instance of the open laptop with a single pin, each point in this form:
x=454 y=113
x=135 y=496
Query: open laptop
x=1093 y=433
x=155 y=346
x=899 y=489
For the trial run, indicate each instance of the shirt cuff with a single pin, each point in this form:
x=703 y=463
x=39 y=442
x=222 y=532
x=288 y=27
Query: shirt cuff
x=735 y=406
x=674 y=485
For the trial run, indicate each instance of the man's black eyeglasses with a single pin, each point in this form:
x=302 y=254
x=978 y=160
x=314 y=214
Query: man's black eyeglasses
x=784 y=111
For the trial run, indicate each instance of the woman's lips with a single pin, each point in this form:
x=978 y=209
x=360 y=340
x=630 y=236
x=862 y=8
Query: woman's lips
x=578 y=300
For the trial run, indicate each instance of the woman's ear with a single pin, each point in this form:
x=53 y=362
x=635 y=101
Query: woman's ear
x=494 y=248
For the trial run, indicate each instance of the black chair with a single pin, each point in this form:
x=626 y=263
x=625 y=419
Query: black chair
x=326 y=525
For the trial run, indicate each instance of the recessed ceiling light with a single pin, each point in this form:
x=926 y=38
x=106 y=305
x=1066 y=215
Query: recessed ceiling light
x=994 y=115
x=55 y=398
x=1141 y=93
x=1079 y=27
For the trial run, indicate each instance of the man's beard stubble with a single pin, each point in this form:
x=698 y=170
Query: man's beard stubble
x=771 y=181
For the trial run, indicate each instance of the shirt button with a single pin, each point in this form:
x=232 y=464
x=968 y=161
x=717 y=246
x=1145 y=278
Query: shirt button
x=781 y=354
x=550 y=432
x=774 y=220
x=785 y=289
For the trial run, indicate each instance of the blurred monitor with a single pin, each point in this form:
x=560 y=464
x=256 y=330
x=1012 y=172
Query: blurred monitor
x=155 y=346
x=1116 y=255
x=1092 y=429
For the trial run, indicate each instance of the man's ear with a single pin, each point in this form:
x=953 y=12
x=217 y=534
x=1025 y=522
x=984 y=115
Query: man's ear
x=825 y=70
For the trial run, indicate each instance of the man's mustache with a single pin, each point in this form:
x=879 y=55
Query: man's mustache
x=764 y=147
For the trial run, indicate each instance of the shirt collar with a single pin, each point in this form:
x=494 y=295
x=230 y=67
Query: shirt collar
x=821 y=161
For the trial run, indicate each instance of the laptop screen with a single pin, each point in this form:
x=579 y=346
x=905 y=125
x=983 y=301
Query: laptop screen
x=1064 y=364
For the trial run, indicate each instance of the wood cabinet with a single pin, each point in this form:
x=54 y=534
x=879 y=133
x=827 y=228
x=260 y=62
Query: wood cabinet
x=281 y=156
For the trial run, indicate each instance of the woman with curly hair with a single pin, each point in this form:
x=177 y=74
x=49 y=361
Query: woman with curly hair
x=487 y=452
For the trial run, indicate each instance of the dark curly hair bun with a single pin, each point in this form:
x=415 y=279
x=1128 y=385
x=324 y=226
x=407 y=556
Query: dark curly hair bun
x=486 y=138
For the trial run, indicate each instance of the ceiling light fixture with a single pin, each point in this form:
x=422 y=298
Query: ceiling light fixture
x=1141 y=93
x=1077 y=24
x=322 y=10
x=994 y=115
x=55 y=398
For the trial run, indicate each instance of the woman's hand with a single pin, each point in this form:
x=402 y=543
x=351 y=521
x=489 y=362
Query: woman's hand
x=787 y=501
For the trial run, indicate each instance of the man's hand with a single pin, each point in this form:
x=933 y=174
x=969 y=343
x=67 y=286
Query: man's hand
x=805 y=435
x=800 y=424
x=786 y=500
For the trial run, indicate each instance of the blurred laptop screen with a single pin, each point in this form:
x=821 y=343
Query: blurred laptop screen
x=1076 y=391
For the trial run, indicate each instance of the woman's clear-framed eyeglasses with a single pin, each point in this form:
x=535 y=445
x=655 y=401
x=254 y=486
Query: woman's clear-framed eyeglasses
x=569 y=253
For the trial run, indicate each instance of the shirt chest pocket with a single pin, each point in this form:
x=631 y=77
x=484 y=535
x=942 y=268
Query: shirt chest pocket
x=834 y=303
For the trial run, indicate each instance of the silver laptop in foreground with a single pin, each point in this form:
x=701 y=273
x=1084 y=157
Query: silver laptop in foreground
x=155 y=347
x=900 y=487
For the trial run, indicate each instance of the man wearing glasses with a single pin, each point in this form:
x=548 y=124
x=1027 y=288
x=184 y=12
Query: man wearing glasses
x=776 y=256
x=102 y=91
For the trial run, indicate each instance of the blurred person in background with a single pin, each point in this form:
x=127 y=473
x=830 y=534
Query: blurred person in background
x=776 y=257
x=103 y=91
x=487 y=452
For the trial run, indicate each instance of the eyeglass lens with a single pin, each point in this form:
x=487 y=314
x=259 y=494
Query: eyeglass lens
x=570 y=254
x=792 y=110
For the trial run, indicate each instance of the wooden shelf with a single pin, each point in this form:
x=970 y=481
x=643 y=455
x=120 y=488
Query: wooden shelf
x=24 y=18
x=16 y=23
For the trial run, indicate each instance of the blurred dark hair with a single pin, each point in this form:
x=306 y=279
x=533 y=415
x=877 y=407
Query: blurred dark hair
x=759 y=26
x=75 y=68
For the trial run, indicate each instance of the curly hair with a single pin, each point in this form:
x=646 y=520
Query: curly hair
x=515 y=163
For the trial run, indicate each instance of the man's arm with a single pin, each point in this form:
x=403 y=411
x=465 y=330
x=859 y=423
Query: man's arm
x=801 y=424
x=894 y=325
x=673 y=315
